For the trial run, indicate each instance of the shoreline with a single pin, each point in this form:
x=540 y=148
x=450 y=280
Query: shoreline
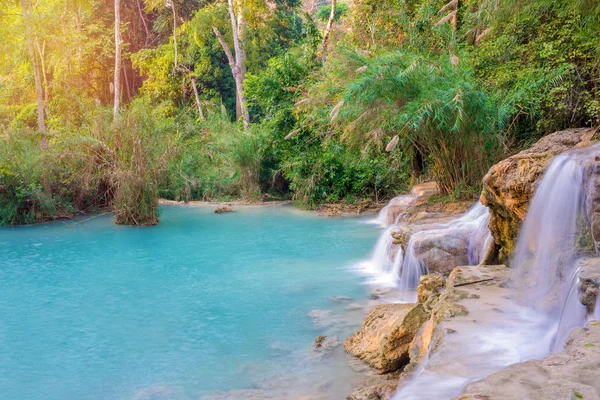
x=234 y=203
x=325 y=210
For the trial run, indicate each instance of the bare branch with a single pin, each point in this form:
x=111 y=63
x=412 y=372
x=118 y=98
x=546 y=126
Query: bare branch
x=482 y=35
x=452 y=5
x=225 y=47
x=446 y=18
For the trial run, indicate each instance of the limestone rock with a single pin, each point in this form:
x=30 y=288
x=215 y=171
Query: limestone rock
x=376 y=392
x=383 y=341
x=425 y=190
x=439 y=251
x=589 y=282
x=573 y=374
x=325 y=344
x=429 y=286
x=443 y=301
x=400 y=207
x=223 y=210
x=509 y=185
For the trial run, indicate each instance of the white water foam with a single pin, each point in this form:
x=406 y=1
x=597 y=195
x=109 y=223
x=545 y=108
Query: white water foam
x=389 y=265
x=404 y=201
x=472 y=227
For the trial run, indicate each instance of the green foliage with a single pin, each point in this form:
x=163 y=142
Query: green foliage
x=331 y=173
x=446 y=96
x=26 y=118
x=341 y=10
x=23 y=200
x=543 y=53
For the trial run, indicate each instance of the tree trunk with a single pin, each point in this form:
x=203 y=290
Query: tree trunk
x=175 y=34
x=46 y=86
x=139 y=8
x=36 y=75
x=237 y=63
x=198 y=104
x=117 y=76
x=329 y=25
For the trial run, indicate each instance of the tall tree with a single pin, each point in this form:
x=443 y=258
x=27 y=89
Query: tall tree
x=237 y=62
x=26 y=11
x=117 y=78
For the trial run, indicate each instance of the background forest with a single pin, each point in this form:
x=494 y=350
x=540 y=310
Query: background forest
x=113 y=104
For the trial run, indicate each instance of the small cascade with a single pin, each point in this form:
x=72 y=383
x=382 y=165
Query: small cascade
x=380 y=259
x=573 y=314
x=395 y=266
x=403 y=201
x=545 y=281
x=480 y=235
x=412 y=268
x=472 y=227
x=550 y=242
x=383 y=262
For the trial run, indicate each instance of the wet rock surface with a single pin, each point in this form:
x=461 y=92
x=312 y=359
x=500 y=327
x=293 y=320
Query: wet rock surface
x=589 y=284
x=572 y=374
x=442 y=242
x=383 y=341
x=509 y=185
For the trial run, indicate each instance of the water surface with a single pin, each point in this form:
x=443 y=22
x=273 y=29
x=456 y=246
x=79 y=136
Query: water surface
x=200 y=303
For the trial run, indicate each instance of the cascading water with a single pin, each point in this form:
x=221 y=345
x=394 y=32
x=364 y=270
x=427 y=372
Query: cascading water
x=549 y=244
x=545 y=280
x=472 y=227
x=403 y=201
x=573 y=314
x=393 y=266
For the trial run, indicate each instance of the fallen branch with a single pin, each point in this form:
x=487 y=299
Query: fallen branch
x=473 y=282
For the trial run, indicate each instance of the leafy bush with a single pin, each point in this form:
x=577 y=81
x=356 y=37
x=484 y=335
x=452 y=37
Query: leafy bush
x=324 y=12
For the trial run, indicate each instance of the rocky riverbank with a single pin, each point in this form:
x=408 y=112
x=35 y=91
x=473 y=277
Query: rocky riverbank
x=467 y=330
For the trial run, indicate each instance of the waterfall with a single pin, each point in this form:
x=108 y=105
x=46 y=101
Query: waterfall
x=392 y=265
x=472 y=227
x=382 y=265
x=411 y=270
x=380 y=259
x=545 y=273
x=545 y=281
x=403 y=201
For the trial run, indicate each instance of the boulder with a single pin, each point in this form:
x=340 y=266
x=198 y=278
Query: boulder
x=425 y=190
x=400 y=207
x=573 y=374
x=383 y=341
x=440 y=251
x=429 y=286
x=589 y=283
x=375 y=392
x=509 y=186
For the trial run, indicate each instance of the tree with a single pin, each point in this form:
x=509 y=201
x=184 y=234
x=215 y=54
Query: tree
x=237 y=62
x=26 y=12
x=329 y=25
x=117 y=78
